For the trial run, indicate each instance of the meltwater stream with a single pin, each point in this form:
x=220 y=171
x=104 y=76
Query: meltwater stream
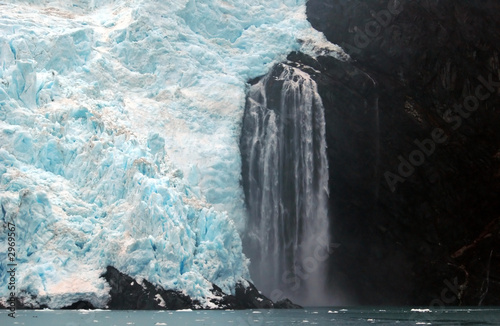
x=285 y=177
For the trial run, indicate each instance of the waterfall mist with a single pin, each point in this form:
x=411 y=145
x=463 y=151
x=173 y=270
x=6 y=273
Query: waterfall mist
x=285 y=177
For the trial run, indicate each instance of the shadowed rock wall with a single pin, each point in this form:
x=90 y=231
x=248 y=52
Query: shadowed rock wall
x=413 y=133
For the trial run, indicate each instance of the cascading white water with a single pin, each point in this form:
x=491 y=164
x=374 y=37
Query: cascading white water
x=285 y=176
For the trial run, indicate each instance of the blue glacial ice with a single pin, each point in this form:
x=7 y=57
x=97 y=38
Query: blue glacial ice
x=119 y=127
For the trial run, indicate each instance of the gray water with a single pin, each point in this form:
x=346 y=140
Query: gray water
x=310 y=316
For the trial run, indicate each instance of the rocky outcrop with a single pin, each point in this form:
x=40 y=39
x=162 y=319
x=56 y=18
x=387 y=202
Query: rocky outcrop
x=127 y=294
x=80 y=305
x=414 y=149
x=250 y=298
x=286 y=304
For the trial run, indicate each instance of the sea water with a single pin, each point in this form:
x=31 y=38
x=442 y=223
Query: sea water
x=310 y=316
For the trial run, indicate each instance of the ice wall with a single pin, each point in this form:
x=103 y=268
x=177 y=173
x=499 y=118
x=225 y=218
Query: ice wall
x=119 y=126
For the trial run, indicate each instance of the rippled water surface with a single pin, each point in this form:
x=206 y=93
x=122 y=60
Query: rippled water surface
x=309 y=316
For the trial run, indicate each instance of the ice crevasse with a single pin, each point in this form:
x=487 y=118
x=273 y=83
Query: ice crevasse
x=119 y=126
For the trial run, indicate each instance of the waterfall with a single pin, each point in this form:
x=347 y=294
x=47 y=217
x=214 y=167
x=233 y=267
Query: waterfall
x=285 y=177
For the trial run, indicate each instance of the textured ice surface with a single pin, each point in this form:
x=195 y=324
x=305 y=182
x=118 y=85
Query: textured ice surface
x=119 y=126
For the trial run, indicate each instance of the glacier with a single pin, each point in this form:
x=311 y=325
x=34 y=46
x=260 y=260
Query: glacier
x=119 y=128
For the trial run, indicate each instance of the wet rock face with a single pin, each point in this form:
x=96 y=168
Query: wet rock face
x=413 y=133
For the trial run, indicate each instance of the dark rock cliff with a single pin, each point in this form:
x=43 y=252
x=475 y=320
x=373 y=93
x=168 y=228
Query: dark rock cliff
x=413 y=132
